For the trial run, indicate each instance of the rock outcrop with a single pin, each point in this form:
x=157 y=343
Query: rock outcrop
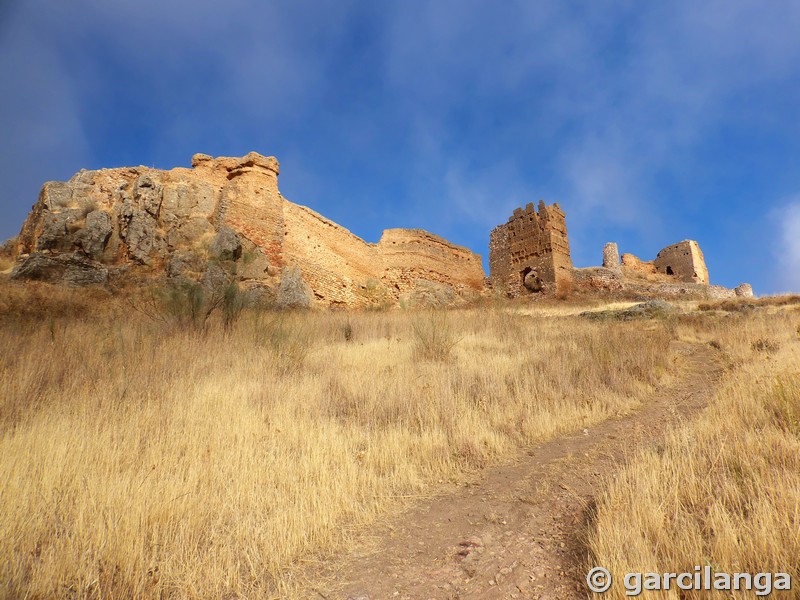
x=226 y=214
x=293 y=291
x=68 y=268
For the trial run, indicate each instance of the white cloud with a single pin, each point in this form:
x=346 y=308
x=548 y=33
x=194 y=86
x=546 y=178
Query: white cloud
x=787 y=248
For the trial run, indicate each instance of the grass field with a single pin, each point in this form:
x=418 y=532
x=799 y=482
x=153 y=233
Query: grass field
x=144 y=459
x=723 y=490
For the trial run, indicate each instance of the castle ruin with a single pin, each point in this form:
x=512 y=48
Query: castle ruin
x=530 y=255
x=225 y=219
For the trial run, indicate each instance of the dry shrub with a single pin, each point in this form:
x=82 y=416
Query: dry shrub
x=287 y=337
x=745 y=304
x=7 y=254
x=36 y=301
x=765 y=345
x=433 y=336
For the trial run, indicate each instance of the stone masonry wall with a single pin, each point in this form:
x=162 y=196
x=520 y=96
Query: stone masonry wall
x=343 y=269
x=530 y=251
x=334 y=262
x=411 y=255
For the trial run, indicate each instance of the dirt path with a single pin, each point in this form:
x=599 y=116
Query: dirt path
x=517 y=533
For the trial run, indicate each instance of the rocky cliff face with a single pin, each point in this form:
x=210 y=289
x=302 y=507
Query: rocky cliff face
x=224 y=215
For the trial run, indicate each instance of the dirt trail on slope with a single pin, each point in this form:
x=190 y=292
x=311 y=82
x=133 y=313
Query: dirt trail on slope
x=518 y=532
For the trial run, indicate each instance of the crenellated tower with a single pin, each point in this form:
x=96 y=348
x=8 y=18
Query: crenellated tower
x=530 y=253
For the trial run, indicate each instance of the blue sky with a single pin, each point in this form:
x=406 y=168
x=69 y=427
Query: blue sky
x=649 y=122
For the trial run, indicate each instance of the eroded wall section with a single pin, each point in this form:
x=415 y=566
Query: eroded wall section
x=336 y=264
x=343 y=269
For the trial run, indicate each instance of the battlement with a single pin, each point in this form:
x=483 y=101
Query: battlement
x=232 y=166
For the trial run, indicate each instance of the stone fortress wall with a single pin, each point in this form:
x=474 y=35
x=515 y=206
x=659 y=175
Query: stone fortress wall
x=224 y=219
x=227 y=210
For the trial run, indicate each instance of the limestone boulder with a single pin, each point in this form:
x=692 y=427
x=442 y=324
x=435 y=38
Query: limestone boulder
x=94 y=235
x=646 y=310
x=226 y=245
x=216 y=277
x=258 y=294
x=146 y=243
x=201 y=159
x=744 y=290
x=253 y=264
x=147 y=193
x=58 y=230
x=68 y=268
x=56 y=195
x=184 y=264
x=293 y=291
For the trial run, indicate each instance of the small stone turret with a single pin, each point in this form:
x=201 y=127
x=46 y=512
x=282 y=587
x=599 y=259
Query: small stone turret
x=611 y=256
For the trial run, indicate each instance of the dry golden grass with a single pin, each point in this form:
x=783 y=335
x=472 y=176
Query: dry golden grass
x=724 y=490
x=739 y=304
x=6 y=264
x=139 y=460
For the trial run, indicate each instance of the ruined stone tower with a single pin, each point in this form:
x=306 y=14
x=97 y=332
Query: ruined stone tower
x=684 y=261
x=530 y=253
x=249 y=199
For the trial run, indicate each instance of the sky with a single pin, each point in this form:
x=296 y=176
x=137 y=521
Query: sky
x=648 y=122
